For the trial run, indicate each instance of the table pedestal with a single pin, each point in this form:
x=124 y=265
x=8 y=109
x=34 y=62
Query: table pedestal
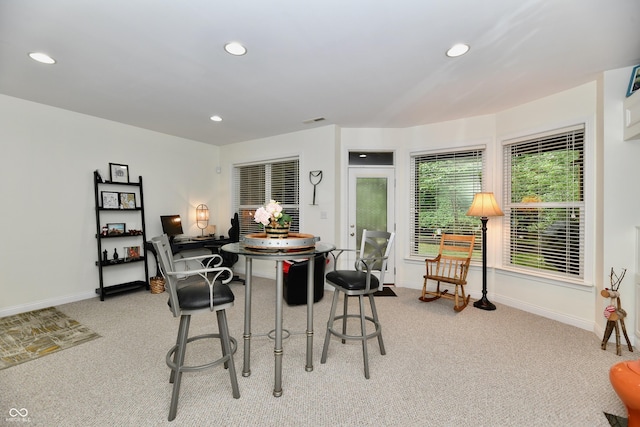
x=277 y=349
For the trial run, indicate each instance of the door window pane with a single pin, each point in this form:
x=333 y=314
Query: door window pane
x=371 y=205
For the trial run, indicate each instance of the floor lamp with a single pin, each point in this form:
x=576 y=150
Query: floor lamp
x=484 y=205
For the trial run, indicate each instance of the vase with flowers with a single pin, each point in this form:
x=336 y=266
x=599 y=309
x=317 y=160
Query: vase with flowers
x=276 y=222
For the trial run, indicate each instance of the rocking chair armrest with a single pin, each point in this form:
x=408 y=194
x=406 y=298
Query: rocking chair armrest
x=432 y=260
x=431 y=264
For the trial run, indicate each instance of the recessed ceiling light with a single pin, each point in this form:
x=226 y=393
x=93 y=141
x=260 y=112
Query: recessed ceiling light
x=362 y=156
x=458 y=50
x=235 y=48
x=42 y=57
x=216 y=118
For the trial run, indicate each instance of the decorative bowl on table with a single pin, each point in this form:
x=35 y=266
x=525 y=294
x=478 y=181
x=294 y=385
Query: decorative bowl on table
x=296 y=242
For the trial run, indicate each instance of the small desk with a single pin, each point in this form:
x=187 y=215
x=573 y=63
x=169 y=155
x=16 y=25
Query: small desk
x=212 y=244
x=278 y=257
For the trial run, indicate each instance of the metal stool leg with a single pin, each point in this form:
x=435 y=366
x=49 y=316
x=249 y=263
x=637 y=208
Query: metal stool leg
x=327 y=335
x=374 y=312
x=344 y=319
x=363 y=326
x=227 y=351
x=183 y=333
x=172 y=375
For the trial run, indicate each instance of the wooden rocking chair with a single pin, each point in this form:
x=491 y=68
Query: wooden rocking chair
x=450 y=266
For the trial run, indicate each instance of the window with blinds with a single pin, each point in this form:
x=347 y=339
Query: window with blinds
x=442 y=188
x=256 y=184
x=544 y=203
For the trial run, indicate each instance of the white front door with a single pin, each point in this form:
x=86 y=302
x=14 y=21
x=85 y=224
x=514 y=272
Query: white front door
x=371 y=196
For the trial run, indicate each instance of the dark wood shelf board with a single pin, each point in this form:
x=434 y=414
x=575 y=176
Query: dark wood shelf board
x=122 y=288
x=111 y=264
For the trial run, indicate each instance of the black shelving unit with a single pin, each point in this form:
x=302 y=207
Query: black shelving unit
x=140 y=236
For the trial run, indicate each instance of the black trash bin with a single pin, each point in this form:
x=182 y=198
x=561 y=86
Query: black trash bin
x=295 y=281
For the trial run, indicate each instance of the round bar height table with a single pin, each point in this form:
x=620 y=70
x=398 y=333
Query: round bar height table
x=250 y=254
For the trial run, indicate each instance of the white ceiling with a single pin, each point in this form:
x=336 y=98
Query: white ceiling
x=160 y=64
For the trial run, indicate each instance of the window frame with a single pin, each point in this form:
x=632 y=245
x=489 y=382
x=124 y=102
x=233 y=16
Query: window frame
x=415 y=239
x=585 y=215
x=290 y=202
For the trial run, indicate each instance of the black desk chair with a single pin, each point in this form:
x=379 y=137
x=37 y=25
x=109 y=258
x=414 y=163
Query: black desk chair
x=230 y=259
x=209 y=293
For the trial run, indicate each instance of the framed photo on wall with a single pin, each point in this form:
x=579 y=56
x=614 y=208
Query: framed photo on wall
x=634 y=83
x=119 y=173
x=128 y=200
x=110 y=200
x=116 y=229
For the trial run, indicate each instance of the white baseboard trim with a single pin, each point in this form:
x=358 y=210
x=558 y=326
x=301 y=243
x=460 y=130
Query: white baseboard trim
x=540 y=311
x=37 y=305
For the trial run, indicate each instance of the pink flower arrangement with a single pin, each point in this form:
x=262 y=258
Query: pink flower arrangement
x=272 y=215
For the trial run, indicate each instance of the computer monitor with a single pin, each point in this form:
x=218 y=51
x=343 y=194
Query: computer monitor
x=171 y=225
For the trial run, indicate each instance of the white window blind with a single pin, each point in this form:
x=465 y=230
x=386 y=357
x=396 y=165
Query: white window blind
x=256 y=184
x=544 y=203
x=442 y=188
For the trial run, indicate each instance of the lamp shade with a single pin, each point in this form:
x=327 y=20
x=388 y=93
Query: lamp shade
x=484 y=205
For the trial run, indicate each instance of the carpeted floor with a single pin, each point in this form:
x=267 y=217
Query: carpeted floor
x=28 y=336
x=474 y=368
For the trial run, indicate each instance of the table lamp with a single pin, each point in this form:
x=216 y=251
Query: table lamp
x=484 y=205
x=202 y=217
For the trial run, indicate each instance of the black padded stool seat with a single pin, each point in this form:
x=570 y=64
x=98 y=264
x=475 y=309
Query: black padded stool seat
x=351 y=280
x=196 y=296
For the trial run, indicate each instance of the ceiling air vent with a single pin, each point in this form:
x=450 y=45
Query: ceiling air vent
x=316 y=120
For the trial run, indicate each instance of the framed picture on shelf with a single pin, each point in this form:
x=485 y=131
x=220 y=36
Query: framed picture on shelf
x=131 y=252
x=128 y=200
x=119 y=173
x=110 y=200
x=634 y=83
x=116 y=229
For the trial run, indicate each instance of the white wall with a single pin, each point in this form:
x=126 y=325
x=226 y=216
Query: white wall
x=448 y=135
x=621 y=201
x=316 y=151
x=48 y=217
x=570 y=303
x=579 y=305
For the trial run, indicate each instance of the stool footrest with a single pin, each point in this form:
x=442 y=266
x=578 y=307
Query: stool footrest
x=223 y=359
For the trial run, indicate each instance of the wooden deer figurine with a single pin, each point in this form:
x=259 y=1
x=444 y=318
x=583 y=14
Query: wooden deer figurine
x=614 y=313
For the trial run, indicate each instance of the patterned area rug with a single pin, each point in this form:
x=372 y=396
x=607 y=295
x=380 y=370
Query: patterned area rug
x=27 y=336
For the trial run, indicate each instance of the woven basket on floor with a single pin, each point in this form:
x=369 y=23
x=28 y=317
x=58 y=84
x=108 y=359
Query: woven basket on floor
x=157 y=285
